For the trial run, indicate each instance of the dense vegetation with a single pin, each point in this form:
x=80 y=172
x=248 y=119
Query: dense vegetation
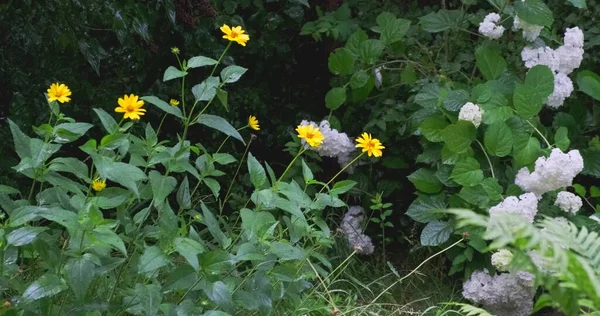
x=293 y=157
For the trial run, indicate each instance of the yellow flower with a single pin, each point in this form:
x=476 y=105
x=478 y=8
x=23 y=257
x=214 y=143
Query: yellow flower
x=131 y=106
x=235 y=34
x=174 y=102
x=253 y=123
x=370 y=145
x=174 y=50
x=59 y=93
x=311 y=134
x=98 y=184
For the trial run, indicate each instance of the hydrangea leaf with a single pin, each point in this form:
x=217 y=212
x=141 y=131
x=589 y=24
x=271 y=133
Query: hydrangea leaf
x=561 y=138
x=498 y=139
x=335 y=98
x=589 y=83
x=423 y=208
x=467 y=172
x=432 y=128
x=490 y=62
x=534 y=12
x=436 y=233
x=425 y=181
x=341 y=62
x=459 y=136
x=526 y=149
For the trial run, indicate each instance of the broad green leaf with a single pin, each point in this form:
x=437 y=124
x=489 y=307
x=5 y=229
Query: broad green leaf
x=161 y=185
x=206 y=90
x=233 y=73
x=306 y=173
x=588 y=83
x=151 y=260
x=467 y=172
x=525 y=103
x=335 y=98
x=258 y=176
x=213 y=185
x=424 y=207
x=221 y=295
x=189 y=249
x=371 y=50
x=70 y=132
x=41 y=151
x=119 y=172
x=526 y=149
x=541 y=80
x=355 y=40
x=286 y=251
x=591 y=162
x=456 y=99
x=47 y=285
x=580 y=4
x=384 y=18
x=498 y=139
x=220 y=124
x=213 y=227
x=24 y=235
x=534 y=12
x=561 y=138
x=173 y=110
x=359 y=79
x=223 y=159
x=459 y=136
x=223 y=97
x=435 y=233
x=172 y=73
x=109 y=123
x=490 y=62
x=79 y=273
x=408 y=75
x=425 y=181
x=442 y=20
x=149 y=297
x=254 y=223
x=20 y=140
x=580 y=190
x=8 y=190
x=341 y=62
x=394 y=30
x=475 y=195
x=184 y=198
x=107 y=236
x=433 y=127
x=497 y=114
x=341 y=187
x=200 y=61
x=594 y=191
x=492 y=188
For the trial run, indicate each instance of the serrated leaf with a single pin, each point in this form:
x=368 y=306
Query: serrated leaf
x=213 y=227
x=161 y=185
x=490 y=62
x=467 y=172
x=435 y=233
x=589 y=83
x=359 y=79
x=151 y=260
x=119 y=172
x=371 y=50
x=306 y=173
x=189 y=249
x=424 y=207
x=24 y=235
x=258 y=176
x=561 y=138
x=459 y=136
x=394 y=30
x=341 y=187
x=425 y=181
x=492 y=188
x=442 y=20
x=184 y=198
x=79 y=272
x=433 y=127
x=341 y=62
x=335 y=98
x=498 y=139
x=286 y=251
x=206 y=90
x=591 y=162
x=46 y=286
x=526 y=149
x=534 y=12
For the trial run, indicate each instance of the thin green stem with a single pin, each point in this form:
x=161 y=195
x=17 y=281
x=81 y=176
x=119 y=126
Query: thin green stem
x=222 y=143
x=540 y=133
x=219 y=60
x=161 y=124
x=234 y=177
x=340 y=172
x=487 y=157
x=289 y=166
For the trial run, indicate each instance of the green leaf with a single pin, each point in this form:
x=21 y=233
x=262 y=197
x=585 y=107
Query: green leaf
x=534 y=12
x=490 y=62
x=119 y=172
x=223 y=97
x=498 y=139
x=206 y=90
x=232 y=73
x=200 y=61
x=459 y=136
x=591 y=162
x=70 y=132
x=258 y=176
x=371 y=50
x=221 y=295
x=594 y=191
x=456 y=99
x=541 y=80
x=79 y=273
x=189 y=249
x=341 y=62
x=151 y=260
x=213 y=185
x=424 y=207
x=149 y=297
x=172 y=73
x=580 y=4
x=108 y=122
x=524 y=101
x=355 y=40
x=384 y=18
x=220 y=124
x=213 y=227
x=306 y=173
x=589 y=83
x=173 y=110
x=435 y=233
x=408 y=75
x=394 y=30
x=425 y=181
x=342 y=187
x=467 y=173
x=526 y=149
x=161 y=185
x=46 y=286
x=24 y=235
x=41 y=151
x=8 y=190
x=442 y=20
x=20 y=140
x=492 y=188
x=433 y=127
x=497 y=114
x=359 y=79
x=223 y=159
x=580 y=190
x=335 y=98
x=184 y=198
x=561 y=138
x=107 y=236
x=286 y=251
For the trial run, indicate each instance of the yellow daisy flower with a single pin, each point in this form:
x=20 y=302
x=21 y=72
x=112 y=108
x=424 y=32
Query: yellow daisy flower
x=253 y=123
x=131 y=106
x=59 y=92
x=174 y=102
x=370 y=145
x=98 y=184
x=311 y=134
x=235 y=34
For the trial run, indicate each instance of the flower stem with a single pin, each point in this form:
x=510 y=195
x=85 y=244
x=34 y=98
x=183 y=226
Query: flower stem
x=161 y=123
x=220 y=58
x=290 y=165
x=237 y=171
x=340 y=172
x=540 y=133
x=487 y=157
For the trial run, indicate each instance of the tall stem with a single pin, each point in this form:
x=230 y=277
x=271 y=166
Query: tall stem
x=540 y=133
x=340 y=172
x=234 y=176
x=290 y=165
x=487 y=157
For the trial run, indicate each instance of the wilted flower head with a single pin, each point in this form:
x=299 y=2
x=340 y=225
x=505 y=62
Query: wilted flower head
x=552 y=173
x=352 y=228
x=490 y=28
x=472 y=113
x=525 y=205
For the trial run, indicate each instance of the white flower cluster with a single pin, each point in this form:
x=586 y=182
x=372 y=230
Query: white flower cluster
x=501 y=259
x=568 y=202
x=554 y=172
x=526 y=205
x=562 y=61
x=352 y=229
x=472 y=113
x=335 y=145
x=490 y=28
x=507 y=294
x=530 y=31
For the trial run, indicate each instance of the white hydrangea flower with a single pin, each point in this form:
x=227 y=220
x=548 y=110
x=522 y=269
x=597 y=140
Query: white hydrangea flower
x=352 y=229
x=526 y=205
x=568 y=202
x=335 y=144
x=472 y=113
x=574 y=37
x=507 y=294
x=540 y=56
x=501 y=259
x=490 y=28
x=563 y=87
x=552 y=173
x=569 y=58
x=530 y=31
